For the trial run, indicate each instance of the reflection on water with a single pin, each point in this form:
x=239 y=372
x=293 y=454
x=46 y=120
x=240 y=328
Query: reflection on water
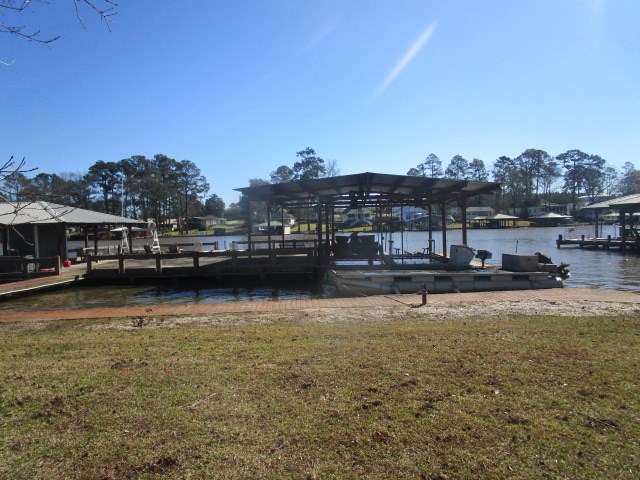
x=141 y=295
x=589 y=268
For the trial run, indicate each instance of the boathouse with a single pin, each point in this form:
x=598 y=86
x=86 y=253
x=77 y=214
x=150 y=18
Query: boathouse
x=39 y=229
x=494 y=221
x=381 y=192
x=626 y=207
x=551 y=219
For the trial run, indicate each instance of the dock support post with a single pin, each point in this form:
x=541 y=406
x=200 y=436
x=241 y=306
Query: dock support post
x=130 y=235
x=327 y=231
x=402 y=234
x=158 y=263
x=443 y=211
x=430 y=227
x=5 y=239
x=196 y=261
x=319 y=231
x=463 y=213
x=282 y=222
x=269 y=227
x=623 y=229
x=121 y=269
x=249 y=228
x=95 y=240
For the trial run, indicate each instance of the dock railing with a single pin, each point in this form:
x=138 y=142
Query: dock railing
x=25 y=267
x=81 y=252
x=272 y=260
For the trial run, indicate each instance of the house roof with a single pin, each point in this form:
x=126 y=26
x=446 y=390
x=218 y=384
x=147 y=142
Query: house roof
x=274 y=223
x=40 y=213
x=369 y=189
x=629 y=201
x=551 y=215
x=479 y=209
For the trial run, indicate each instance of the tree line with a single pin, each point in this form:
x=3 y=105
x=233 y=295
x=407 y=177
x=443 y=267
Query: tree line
x=137 y=187
x=309 y=165
x=161 y=187
x=145 y=188
x=535 y=176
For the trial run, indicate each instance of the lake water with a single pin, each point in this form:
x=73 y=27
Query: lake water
x=589 y=268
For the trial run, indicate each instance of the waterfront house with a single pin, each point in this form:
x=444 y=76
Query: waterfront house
x=355 y=217
x=207 y=222
x=273 y=228
x=473 y=212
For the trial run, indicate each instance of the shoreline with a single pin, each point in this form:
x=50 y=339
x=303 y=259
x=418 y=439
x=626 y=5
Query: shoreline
x=560 y=301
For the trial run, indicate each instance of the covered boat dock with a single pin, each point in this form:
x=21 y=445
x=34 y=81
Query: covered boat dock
x=377 y=191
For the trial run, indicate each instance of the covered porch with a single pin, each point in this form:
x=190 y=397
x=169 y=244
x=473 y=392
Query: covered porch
x=39 y=229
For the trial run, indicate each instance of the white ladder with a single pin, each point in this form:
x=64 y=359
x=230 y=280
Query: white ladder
x=124 y=240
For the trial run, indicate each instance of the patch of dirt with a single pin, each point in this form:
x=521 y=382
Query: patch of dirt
x=429 y=312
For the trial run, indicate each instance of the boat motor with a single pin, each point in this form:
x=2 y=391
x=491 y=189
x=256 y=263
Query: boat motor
x=483 y=255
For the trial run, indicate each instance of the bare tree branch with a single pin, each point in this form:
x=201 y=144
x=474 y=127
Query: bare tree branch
x=106 y=14
x=105 y=9
x=10 y=170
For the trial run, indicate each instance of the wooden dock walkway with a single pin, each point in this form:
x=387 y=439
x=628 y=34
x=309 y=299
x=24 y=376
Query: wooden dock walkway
x=67 y=276
x=260 y=264
x=193 y=264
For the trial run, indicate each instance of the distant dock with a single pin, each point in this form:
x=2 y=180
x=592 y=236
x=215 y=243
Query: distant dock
x=608 y=243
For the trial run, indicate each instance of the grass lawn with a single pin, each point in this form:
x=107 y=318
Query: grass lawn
x=526 y=397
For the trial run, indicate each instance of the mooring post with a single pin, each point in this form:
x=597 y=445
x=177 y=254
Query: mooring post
x=423 y=292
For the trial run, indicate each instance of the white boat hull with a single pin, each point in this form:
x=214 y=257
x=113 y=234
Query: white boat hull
x=384 y=283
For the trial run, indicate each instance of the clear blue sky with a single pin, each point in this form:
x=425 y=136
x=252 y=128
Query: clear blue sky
x=239 y=86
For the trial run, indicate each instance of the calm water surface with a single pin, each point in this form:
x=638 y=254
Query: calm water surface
x=589 y=268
